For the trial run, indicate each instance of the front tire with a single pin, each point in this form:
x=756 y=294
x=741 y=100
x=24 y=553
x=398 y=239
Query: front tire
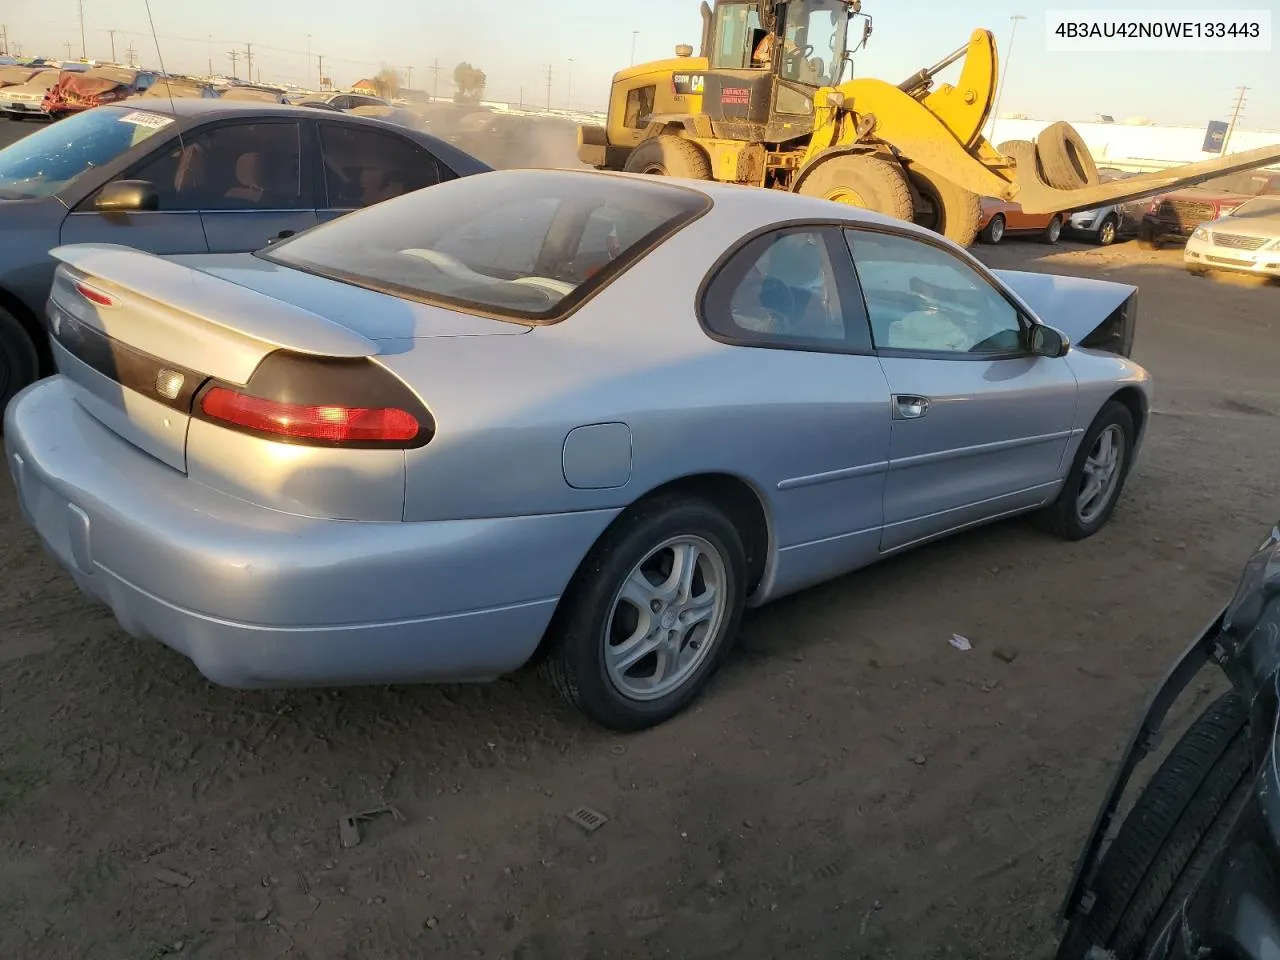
x=1107 y=232
x=1169 y=838
x=1053 y=232
x=650 y=615
x=860 y=180
x=19 y=359
x=669 y=156
x=1097 y=476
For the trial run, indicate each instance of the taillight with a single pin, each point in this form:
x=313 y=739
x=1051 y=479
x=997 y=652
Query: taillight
x=94 y=296
x=329 y=423
x=318 y=401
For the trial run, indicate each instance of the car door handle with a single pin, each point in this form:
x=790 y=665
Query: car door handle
x=909 y=407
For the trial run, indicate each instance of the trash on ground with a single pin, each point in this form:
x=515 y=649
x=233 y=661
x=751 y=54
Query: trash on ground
x=588 y=819
x=960 y=643
x=173 y=878
x=349 y=826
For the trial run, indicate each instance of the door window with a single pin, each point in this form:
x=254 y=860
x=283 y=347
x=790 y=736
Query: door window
x=922 y=298
x=784 y=289
x=242 y=166
x=737 y=32
x=363 y=167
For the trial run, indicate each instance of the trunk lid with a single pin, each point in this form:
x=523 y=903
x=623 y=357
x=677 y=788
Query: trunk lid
x=136 y=335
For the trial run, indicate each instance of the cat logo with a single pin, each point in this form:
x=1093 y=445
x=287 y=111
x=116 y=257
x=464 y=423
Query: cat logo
x=686 y=83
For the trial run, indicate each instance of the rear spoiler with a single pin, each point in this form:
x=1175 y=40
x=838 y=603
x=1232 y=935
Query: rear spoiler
x=215 y=301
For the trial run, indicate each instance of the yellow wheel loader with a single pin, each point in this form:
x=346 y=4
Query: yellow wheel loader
x=766 y=103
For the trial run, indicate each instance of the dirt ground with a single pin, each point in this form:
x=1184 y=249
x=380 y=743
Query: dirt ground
x=850 y=786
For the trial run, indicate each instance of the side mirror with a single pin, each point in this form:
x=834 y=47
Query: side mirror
x=1048 y=342
x=127 y=196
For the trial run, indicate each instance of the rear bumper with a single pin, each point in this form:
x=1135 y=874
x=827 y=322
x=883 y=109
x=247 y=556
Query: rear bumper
x=1261 y=263
x=260 y=598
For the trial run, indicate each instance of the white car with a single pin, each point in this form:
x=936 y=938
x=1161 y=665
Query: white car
x=1247 y=240
x=24 y=99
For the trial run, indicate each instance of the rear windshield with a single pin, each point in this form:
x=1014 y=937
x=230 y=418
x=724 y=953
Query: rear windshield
x=518 y=244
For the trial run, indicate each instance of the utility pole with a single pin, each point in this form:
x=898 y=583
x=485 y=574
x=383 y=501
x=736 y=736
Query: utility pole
x=84 y=51
x=112 y=34
x=211 y=56
x=4 y=40
x=234 y=55
x=634 y=35
x=320 y=68
x=548 y=88
x=408 y=78
x=132 y=54
x=17 y=47
x=308 y=72
x=1235 y=115
x=435 y=79
x=67 y=44
x=568 y=96
x=995 y=110
x=248 y=55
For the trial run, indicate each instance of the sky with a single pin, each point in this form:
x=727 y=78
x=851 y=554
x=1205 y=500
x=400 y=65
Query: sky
x=583 y=42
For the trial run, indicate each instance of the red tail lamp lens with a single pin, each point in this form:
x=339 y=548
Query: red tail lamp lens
x=94 y=296
x=332 y=424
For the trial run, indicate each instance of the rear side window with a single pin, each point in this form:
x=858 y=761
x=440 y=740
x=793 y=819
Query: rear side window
x=525 y=245
x=792 y=288
x=363 y=167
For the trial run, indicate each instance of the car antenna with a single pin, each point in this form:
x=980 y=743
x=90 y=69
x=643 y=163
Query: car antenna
x=164 y=76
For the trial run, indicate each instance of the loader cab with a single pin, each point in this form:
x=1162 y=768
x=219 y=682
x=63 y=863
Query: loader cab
x=764 y=74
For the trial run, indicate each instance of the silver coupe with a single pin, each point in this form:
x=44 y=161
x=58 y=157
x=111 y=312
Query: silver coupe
x=570 y=417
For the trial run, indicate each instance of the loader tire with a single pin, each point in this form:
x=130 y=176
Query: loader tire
x=668 y=156
x=863 y=181
x=949 y=210
x=1064 y=158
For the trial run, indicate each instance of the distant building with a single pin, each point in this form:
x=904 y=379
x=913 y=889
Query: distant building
x=365 y=86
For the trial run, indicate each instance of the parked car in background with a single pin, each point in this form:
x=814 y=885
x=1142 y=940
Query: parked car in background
x=345 y=101
x=82 y=90
x=1001 y=218
x=24 y=100
x=187 y=176
x=1247 y=240
x=179 y=87
x=1189 y=871
x=1171 y=217
x=252 y=93
x=521 y=416
x=1105 y=225
x=15 y=74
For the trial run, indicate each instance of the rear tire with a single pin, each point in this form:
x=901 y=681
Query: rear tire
x=1067 y=517
x=955 y=212
x=19 y=359
x=1169 y=838
x=1065 y=158
x=1053 y=232
x=596 y=621
x=993 y=232
x=859 y=180
x=670 y=156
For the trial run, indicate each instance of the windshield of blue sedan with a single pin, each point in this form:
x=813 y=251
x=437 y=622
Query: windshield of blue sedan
x=522 y=245
x=50 y=159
